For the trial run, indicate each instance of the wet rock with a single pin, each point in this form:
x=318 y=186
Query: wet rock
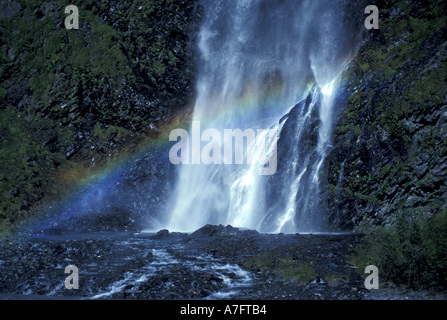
x=14 y=192
x=161 y=235
x=9 y=8
x=134 y=266
x=220 y=231
x=166 y=235
x=373 y=146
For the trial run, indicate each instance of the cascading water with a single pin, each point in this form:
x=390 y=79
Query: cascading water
x=308 y=131
x=259 y=58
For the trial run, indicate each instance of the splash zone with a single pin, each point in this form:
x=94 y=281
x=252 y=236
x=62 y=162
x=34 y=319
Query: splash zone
x=239 y=147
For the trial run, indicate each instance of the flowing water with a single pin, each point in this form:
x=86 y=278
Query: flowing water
x=258 y=60
x=254 y=157
x=266 y=102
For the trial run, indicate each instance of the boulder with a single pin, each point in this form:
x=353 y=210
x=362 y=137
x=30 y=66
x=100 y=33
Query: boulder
x=220 y=231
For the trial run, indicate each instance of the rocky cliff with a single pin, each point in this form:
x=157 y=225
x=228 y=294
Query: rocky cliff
x=387 y=172
x=72 y=99
x=390 y=152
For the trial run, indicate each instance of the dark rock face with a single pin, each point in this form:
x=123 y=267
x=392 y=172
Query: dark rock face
x=79 y=98
x=390 y=149
x=133 y=197
x=292 y=148
x=75 y=99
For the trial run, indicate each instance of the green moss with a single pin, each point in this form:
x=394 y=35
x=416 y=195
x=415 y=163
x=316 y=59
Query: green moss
x=368 y=197
x=426 y=92
x=107 y=133
x=359 y=261
x=405 y=37
x=385 y=170
x=343 y=129
x=430 y=139
x=365 y=66
x=392 y=123
x=334 y=277
x=357 y=130
x=298 y=271
x=3 y=93
x=261 y=260
x=347 y=143
x=348 y=191
x=284 y=267
x=354 y=100
x=332 y=188
x=25 y=164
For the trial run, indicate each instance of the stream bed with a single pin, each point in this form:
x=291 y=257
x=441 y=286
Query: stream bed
x=213 y=263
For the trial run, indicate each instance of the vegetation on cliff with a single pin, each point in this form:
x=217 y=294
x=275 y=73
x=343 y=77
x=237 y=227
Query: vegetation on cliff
x=70 y=97
x=388 y=170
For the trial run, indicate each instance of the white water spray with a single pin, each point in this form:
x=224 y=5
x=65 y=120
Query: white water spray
x=259 y=58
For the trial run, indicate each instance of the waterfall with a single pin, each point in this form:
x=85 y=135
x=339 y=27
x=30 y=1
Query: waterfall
x=259 y=58
x=306 y=151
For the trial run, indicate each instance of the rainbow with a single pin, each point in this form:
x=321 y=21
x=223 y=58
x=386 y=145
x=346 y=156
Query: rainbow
x=87 y=185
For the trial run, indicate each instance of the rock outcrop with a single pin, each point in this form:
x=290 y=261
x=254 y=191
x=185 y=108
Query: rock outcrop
x=73 y=99
x=390 y=152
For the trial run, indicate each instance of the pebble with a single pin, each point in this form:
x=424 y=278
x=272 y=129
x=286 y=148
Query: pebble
x=186 y=271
